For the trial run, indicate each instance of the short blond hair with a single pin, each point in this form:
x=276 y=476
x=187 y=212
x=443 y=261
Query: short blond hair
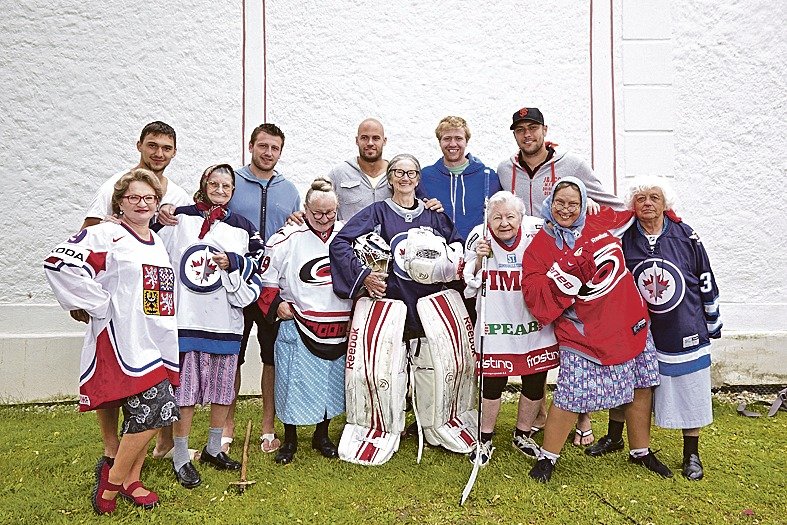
x=450 y=122
x=135 y=175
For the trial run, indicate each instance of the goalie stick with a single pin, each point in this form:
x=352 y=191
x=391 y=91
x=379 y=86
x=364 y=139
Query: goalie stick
x=482 y=322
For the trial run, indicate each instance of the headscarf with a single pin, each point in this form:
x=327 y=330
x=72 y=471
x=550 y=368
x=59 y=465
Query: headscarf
x=570 y=234
x=210 y=211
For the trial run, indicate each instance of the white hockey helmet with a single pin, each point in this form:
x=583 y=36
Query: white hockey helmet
x=428 y=258
x=373 y=252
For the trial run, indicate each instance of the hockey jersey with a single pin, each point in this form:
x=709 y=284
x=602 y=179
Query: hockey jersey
x=211 y=300
x=606 y=321
x=391 y=222
x=127 y=286
x=515 y=342
x=674 y=276
x=296 y=269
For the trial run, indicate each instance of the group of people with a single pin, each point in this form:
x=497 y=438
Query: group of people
x=533 y=264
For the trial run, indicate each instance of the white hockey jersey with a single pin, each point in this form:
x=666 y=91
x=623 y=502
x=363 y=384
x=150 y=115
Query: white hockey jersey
x=127 y=286
x=515 y=343
x=211 y=300
x=296 y=269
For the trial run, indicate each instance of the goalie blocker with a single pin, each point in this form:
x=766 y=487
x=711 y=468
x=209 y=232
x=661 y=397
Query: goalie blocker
x=442 y=366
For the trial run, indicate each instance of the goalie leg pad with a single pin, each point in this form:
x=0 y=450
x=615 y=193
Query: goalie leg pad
x=375 y=382
x=444 y=373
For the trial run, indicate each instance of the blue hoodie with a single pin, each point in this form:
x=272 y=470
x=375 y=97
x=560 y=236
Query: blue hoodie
x=264 y=201
x=461 y=196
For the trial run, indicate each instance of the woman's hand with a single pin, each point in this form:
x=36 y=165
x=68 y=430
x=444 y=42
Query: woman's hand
x=593 y=207
x=166 y=215
x=375 y=284
x=482 y=249
x=222 y=260
x=284 y=311
x=434 y=205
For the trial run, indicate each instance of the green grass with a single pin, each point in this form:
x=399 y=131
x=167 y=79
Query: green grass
x=47 y=457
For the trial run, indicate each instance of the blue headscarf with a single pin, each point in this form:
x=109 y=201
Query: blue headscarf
x=570 y=234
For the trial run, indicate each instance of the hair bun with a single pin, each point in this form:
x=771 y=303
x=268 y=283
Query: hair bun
x=322 y=184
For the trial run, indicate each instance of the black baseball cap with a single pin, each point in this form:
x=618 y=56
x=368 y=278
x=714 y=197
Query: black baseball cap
x=533 y=114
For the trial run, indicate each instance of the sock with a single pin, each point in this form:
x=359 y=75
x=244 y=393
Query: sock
x=486 y=436
x=690 y=446
x=180 y=456
x=548 y=455
x=290 y=434
x=615 y=430
x=321 y=430
x=214 y=441
x=523 y=433
x=639 y=452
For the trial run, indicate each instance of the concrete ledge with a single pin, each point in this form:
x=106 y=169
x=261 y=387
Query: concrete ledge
x=39 y=367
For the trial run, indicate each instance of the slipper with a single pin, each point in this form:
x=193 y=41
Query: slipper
x=226 y=440
x=581 y=435
x=269 y=443
x=193 y=454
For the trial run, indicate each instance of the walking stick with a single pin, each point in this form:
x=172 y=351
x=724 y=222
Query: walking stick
x=243 y=483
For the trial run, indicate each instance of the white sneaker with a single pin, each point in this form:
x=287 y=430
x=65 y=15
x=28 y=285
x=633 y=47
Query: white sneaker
x=486 y=453
x=526 y=445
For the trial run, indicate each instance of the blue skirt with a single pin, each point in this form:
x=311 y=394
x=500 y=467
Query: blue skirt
x=308 y=389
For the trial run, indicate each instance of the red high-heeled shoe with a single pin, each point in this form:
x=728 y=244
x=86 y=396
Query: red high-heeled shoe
x=147 y=501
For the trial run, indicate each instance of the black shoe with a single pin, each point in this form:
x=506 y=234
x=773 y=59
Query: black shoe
x=651 y=462
x=220 y=461
x=543 y=470
x=605 y=445
x=286 y=453
x=326 y=447
x=187 y=475
x=692 y=467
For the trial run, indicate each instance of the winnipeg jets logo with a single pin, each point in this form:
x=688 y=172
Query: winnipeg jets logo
x=317 y=271
x=660 y=283
x=198 y=271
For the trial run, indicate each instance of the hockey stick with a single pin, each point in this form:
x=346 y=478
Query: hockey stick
x=480 y=335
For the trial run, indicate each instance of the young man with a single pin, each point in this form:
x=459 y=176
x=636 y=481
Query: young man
x=266 y=198
x=157 y=148
x=458 y=179
x=537 y=166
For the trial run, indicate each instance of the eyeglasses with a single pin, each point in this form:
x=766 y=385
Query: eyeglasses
x=411 y=174
x=570 y=207
x=319 y=215
x=212 y=184
x=134 y=199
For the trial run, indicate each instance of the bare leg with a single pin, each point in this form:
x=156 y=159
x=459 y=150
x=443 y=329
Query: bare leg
x=541 y=419
x=127 y=464
x=268 y=401
x=583 y=425
x=136 y=471
x=490 y=408
x=218 y=414
x=164 y=442
x=557 y=428
x=108 y=424
x=638 y=418
x=229 y=423
x=527 y=413
x=691 y=432
x=182 y=427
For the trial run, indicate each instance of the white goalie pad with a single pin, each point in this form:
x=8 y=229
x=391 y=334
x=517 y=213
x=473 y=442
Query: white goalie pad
x=428 y=258
x=444 y=373
x=375 y=382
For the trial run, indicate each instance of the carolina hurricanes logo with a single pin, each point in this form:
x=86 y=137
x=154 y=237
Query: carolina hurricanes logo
x=610 y=269
x=660 y=283
x=523 y=112
x=198 y=272
x=317 y=271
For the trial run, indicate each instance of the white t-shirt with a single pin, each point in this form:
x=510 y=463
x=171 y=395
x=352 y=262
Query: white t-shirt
x=101 y=206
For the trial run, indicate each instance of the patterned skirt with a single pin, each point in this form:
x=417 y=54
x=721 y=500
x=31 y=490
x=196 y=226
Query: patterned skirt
x=206 y=378
x=308 y=389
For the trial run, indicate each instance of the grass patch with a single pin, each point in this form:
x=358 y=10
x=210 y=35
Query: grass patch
x=47 y=457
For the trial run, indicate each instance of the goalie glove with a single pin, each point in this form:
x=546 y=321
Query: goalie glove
x=573 y=270
x=428 y=258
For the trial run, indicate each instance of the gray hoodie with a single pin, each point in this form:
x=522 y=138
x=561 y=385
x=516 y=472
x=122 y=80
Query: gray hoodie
x=354 y=190
x=534 y=190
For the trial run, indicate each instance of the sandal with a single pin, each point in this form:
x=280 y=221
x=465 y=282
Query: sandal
x=147 y=502
x=226 y=440
x=269 y=443
x=580 y=437
x=193 y=454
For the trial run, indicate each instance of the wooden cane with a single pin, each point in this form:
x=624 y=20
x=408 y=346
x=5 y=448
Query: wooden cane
x=243 y=483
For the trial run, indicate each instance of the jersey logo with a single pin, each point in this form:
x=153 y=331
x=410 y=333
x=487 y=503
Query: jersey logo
x=158 y=290
x=660 y=283
x=116 y=239
x=78 y=236
x=610 y=270
x=198 y=272
x=317 y=271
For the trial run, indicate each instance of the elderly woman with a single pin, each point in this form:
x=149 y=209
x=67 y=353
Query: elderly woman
x=120 y=275
x=515 y=343
x=401 y=220
x=215 y=282
x=673 y=274
x=574 y=275
x=312 y=340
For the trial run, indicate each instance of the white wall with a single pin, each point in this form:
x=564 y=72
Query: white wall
x=80 y=82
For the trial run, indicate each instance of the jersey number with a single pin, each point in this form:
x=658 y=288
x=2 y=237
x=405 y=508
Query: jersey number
x=707 y=284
